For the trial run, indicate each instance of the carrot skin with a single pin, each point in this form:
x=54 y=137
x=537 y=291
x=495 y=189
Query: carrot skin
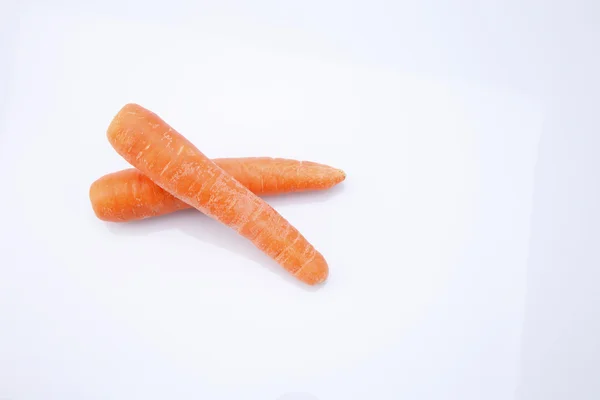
x=172 y=162
x=129 y=195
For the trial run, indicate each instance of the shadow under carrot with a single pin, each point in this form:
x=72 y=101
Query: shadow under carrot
x=197 y=225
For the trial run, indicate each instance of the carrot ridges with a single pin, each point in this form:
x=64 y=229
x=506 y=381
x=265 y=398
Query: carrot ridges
x=129 y=195
x=173 y=163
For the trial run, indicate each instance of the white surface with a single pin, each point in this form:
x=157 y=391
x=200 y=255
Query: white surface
x=100 y=312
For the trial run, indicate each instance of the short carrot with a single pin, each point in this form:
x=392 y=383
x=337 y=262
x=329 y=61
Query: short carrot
x=172 y=162
x=129 y=195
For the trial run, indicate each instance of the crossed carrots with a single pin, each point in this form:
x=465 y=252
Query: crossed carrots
x=171 y=174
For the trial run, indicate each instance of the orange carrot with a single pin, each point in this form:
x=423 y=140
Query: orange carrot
x=129 y=195
x=172 y=162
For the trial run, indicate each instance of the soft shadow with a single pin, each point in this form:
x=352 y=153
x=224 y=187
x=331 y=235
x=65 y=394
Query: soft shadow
x=203 y=228
x=560 y=355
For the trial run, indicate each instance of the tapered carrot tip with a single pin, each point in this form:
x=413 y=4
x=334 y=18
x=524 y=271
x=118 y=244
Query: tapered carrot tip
x=314 y=272
x=340 y=176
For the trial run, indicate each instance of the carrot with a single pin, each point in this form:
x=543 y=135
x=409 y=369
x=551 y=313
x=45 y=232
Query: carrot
x=172 y=162
x=129 y=195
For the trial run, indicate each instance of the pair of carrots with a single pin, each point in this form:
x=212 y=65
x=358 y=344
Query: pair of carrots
x=171 y=174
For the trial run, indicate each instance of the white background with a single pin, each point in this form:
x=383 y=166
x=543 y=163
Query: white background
x=516 y=317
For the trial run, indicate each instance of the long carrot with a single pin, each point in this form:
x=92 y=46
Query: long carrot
x=172 y=162
x=129 y=195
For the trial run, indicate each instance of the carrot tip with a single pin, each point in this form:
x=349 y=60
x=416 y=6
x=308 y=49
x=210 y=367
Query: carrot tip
x=315 y=272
